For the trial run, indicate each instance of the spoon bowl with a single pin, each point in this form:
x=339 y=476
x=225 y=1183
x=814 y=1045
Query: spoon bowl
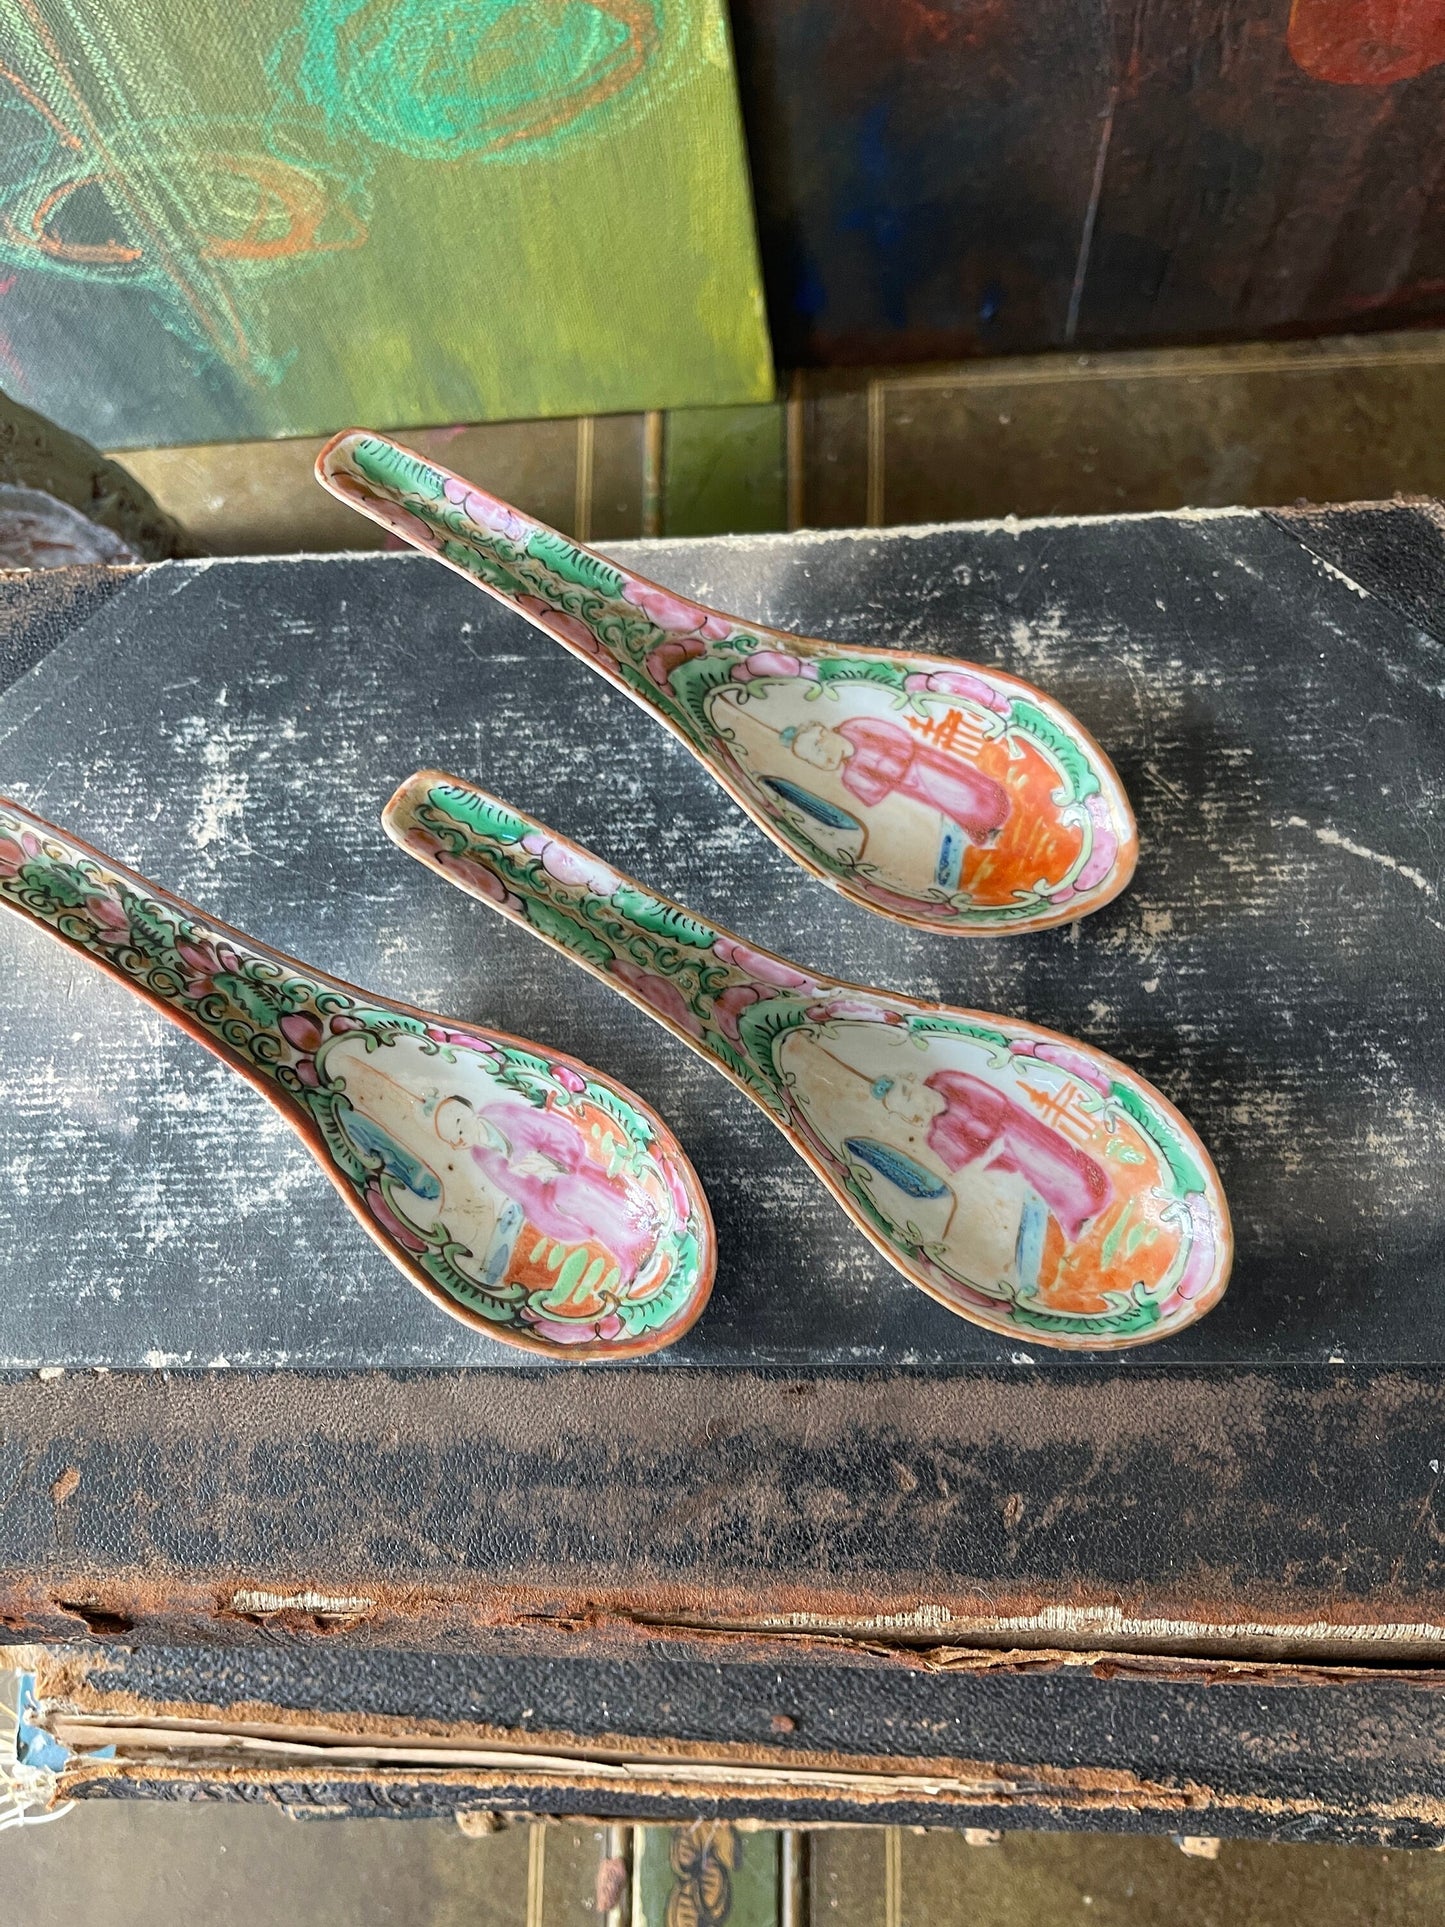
x=525 y=1193
x=935 y=791
x=1024 y=1180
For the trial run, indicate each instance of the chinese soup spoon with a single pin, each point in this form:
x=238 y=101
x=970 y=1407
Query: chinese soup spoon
x=931 y=790
x=1023 y=1180
x=525 y=1193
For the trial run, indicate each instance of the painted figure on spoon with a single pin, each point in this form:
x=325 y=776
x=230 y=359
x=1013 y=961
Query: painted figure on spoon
x=526 y=1194
x=536 y=1163
x=1027 y=1182
x=873 y=759
x=935 y=791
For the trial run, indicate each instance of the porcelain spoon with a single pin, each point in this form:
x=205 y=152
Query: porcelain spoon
x=929 y=789
x=524 y=1192
x=1024 y=1180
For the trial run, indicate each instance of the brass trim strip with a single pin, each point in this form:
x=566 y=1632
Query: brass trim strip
x=582 y=488
x=652 y=457
x=873 y=513
x=794 y=427
x=893 y=1877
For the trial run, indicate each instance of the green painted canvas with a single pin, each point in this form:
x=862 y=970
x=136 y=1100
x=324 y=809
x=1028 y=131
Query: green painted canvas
x=233 y=218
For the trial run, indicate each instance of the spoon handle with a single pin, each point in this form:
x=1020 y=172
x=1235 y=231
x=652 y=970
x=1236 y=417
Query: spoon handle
x=258 y=1010
x=695 y=977
x=620 y=624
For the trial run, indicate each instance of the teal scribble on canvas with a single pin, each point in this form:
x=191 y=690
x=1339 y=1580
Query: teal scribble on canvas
x=504 y=78
x=218 y=221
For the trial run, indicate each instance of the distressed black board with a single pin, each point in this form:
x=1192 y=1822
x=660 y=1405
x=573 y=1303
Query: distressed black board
x=1398 y=557
x=809 y=1519
x=232 y=728
x=1286 y=1759
x=1252 y=1513
x=866 y=1576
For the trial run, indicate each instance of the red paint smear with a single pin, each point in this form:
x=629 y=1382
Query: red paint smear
x=9 y=360
x=1367 y=43
x=923 y=24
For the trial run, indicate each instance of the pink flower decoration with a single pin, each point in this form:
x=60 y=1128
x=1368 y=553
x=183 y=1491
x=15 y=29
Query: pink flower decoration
x=206 y=961
x=757 y=963
x=1106 y=845
x=402 y=522
x=959 y=682
x=339 y=1025
x=731 y=1005
x=568 y=1079
x=1200 y=1265
x=30 y=843
x=1101 y=858
x=376 y=1204
x=573 y=867
x=301 y=1029
x=677 y=1191
x=674 y=612
x=854 y=1010
x=671 y=655
x=1074 y=1062
x=774 y=662
x=461 y=1040
x=571 y=628
x=110 y=920
x=664 y=997
x=475 y=877
x=486 y=510
x=307 y=1072
x=12 y=858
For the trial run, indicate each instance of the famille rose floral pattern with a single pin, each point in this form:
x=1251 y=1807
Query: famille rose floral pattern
x=939 y=795
x=1126 y=1229
x=605 y=1241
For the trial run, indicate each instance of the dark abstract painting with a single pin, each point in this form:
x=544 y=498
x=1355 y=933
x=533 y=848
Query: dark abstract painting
x=938 y=178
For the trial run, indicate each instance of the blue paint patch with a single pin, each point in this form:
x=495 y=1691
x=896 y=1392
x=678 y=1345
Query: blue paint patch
x=1029 y=1246
x=504 y=1243
x=396 y=1162
x=810 y=294
x=36 y=1748
x=817 y=807
x=950 y=857
x=900 y=1170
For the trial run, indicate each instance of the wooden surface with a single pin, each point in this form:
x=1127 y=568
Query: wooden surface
x=231 y=729
x=1347 y=418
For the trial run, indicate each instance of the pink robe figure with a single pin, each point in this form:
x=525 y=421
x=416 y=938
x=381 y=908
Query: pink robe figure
x=980 y=1120
x=576 y=1203
x=886 y=758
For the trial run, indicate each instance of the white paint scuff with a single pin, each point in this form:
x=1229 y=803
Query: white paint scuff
x=1337 y=841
